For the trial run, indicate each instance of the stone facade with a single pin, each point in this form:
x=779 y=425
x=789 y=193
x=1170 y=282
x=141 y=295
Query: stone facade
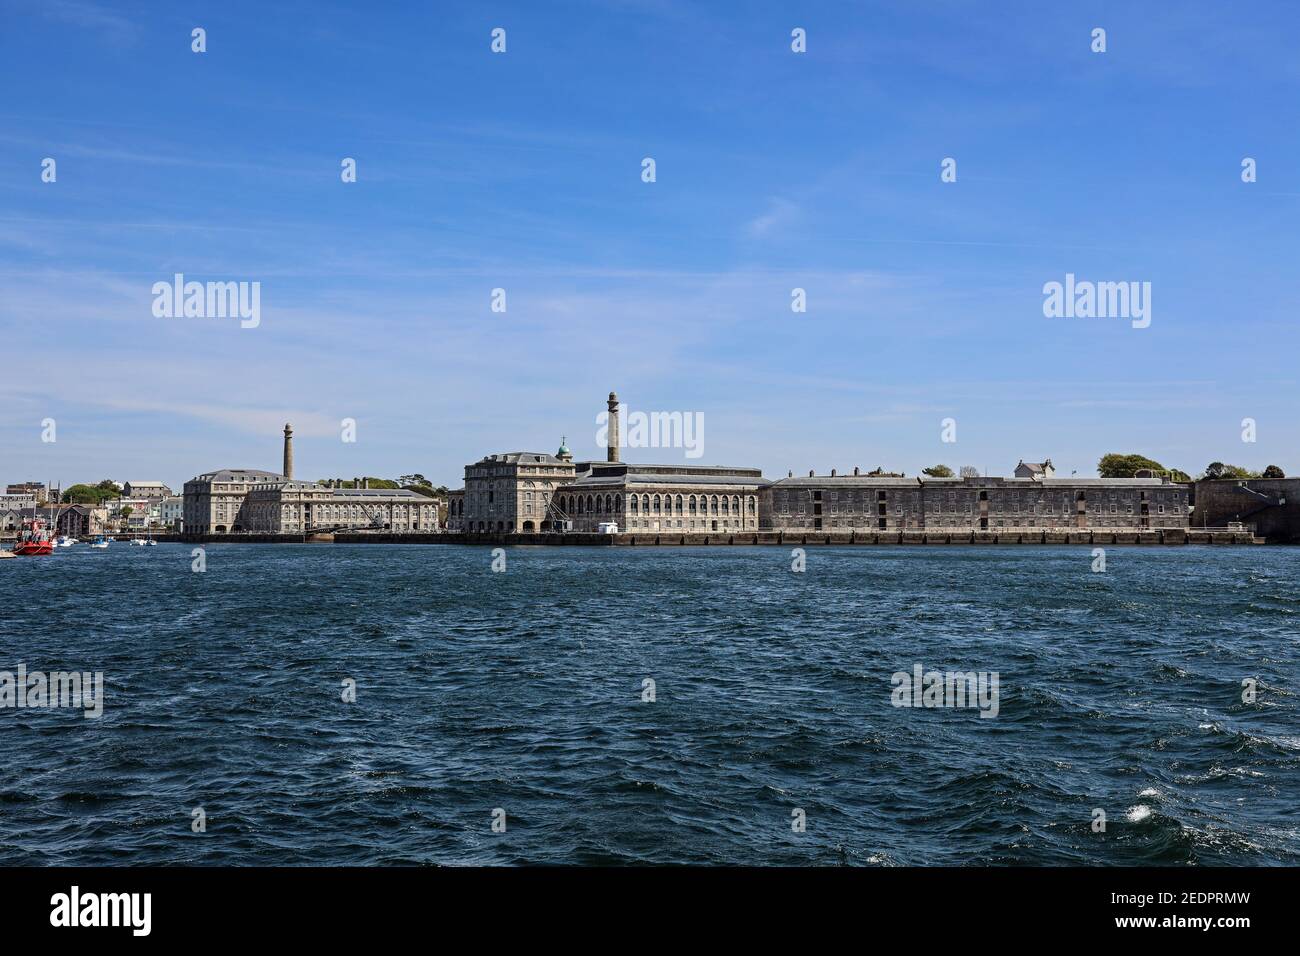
x=145 y=489
x=1270 y=507
x=862 y=503
x=512 y=492
x=247 y=500
x=662 y=498
x=34 y=488
x=16 y=502
x=297 y=507
x=1035 y=469
x=214 y=502
x=456 y=510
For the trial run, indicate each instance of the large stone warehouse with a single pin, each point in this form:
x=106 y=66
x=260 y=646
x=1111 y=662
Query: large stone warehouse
x=537 y=491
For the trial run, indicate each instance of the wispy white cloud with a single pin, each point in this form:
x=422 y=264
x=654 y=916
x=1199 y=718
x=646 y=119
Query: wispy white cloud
x=91 y=16
x=780 y=214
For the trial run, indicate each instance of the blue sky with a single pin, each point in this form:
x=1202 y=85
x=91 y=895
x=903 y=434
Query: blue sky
x=522 y=171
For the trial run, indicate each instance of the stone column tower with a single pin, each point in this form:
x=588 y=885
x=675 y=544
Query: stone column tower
x=611 y=451
x=288 y=450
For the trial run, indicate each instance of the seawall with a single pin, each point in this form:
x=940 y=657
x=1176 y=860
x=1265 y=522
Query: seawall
x=1166 y=536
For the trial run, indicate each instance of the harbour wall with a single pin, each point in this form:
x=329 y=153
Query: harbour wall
x=1270 y=507
x=1166 y=536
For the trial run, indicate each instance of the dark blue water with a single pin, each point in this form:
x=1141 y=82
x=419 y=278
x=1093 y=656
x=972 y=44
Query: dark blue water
x=523 y=691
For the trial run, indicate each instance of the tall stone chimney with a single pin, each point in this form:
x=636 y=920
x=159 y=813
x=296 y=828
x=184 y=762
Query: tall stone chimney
x=288 y=450
x=611 y=452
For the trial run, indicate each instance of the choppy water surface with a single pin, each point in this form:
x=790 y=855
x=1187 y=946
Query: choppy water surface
x=523 y=691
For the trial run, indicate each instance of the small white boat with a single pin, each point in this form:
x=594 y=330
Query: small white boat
x=138 y=541
x=100 y=542
x=63 y=541
x=6 y=553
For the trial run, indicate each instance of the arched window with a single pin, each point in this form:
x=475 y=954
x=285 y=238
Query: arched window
x=691 y=504
x=677 y=504
x=657 y=504
x=609 y=504
x=618 y=504
x=752 y=504
x=636 y=504
x=713 y=504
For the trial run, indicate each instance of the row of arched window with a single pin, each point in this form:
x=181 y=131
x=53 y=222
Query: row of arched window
x=658 y=504
x=591 y=504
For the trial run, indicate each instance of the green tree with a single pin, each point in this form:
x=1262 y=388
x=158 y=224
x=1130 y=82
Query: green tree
x=370 y=483
x=1218 y=470
x=82 y=494
x=1272 y=471
x=938 y=471
x=1125 y=466
x=1115 y=465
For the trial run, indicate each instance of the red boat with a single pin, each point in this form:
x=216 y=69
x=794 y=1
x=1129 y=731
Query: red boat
x=34 y=539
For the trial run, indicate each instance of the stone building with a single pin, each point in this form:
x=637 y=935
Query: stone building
x=145 y=489
x=1035 y=469
x=36 y=489
x=534 y=491
x=297 y=507
x=663 y=498
x=456 y=510
x=511 y=491
x=234 y=500
x=1269 y=507
x=863 y=503
x=214 y=501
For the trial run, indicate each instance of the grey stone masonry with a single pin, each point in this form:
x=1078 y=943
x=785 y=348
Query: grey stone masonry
x=864 y=503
